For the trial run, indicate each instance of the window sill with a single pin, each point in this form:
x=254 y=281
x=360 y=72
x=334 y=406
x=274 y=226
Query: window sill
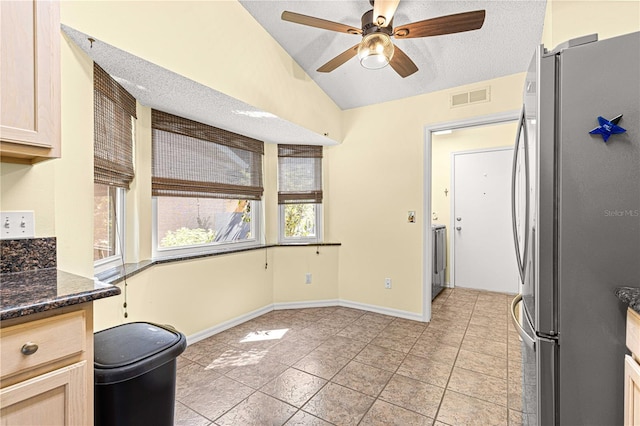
x=120 y=273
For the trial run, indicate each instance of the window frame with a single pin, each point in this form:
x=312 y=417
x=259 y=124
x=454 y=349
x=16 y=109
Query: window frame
x=178 y=170
x=294 y=189
x=211 y=248
x=117 y=259
x=283 y=239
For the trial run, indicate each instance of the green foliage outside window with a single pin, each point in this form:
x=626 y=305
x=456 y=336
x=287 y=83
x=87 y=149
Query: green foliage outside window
x=187 y=236
x=204 y=232
x=299 y=220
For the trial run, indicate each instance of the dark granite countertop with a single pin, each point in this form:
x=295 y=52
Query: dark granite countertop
x=630 y=296
x=30 y=292
x=120 y=273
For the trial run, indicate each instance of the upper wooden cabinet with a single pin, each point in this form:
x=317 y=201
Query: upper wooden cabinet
x=29 y=80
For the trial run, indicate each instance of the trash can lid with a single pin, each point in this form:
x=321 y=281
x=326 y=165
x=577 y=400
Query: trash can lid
x=134 y=342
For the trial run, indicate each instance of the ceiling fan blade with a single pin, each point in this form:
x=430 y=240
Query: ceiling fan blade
x=383 y=11
x=340 y=59
x=448 y=24
x=319 y=23
x=401 y=63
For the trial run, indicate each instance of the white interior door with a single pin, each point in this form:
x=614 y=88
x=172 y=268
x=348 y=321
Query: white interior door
x=483 y=253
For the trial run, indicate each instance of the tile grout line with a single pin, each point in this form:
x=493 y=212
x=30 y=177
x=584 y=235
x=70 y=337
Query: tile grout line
x=369 y=341
x=435 y=419
x=394 y=372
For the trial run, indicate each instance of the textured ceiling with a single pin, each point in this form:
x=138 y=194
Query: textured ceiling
x=503 y=46
x=149 y=83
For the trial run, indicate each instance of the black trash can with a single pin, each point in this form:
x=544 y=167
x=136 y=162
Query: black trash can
x=135 y=374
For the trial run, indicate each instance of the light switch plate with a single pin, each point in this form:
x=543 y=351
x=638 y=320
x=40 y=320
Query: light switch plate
x=17 y=224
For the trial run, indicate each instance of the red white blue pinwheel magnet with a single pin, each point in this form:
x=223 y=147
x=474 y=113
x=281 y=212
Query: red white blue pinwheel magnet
x=608 y=127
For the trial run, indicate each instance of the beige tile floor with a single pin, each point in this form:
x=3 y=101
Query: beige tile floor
x=343 y=366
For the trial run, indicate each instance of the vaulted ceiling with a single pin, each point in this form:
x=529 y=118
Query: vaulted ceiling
x=503 y=46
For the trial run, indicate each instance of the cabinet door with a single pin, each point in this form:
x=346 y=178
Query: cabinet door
x=30 y=78
x=631 y=392
x=55 y=398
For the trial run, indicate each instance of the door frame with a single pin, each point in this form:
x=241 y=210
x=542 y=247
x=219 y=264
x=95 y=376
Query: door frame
x=429 y=129
x=452 y=257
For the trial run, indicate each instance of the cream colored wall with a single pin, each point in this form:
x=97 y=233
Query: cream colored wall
x=192 y=295
x=196 y=295
x=567 y=19
x=30 y=188
x=180 y=36
x=270 y=198
x=442 y=146
x=138 y=204
x=371 y=180
x=73 y=173
x=216 y=43
x=292 y=263
x=376 y=176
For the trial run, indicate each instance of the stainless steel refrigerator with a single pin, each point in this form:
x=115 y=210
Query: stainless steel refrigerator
x=576 y=212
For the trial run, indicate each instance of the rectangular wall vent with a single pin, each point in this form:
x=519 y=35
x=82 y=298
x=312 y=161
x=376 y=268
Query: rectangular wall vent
x=471 y=97
x=460 y=99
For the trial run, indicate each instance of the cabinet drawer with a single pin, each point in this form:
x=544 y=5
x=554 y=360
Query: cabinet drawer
x=56 y=338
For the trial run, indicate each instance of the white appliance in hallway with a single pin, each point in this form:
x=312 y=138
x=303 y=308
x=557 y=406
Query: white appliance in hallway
x=481 y=222
x=439 y=251
x=579 y=152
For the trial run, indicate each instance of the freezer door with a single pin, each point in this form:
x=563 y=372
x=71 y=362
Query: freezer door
x=528 y=377
x=598 y=224
x=546 y=382
x=538 y=375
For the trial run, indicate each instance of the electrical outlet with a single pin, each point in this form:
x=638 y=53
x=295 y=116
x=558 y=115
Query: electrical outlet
x=17 y=225
x=387 y=283
x=307 y=278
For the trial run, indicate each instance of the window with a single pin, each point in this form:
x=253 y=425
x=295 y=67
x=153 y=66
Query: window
x=300 y=192
x=107 y=222
x=207 y=187
x=114 y=122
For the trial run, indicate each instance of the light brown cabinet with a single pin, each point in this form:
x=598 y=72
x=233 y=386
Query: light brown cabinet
x=30 y=80
x=47 y=368
x=56 y=398
x=632 y=371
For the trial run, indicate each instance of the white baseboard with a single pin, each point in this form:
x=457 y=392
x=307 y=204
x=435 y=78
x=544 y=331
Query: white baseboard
x=382 y=310
x=308 y=304
x=300 y=305
x=227 y=324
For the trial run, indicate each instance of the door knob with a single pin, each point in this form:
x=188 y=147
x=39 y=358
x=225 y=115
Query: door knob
x=458 y=228
x=458 y=219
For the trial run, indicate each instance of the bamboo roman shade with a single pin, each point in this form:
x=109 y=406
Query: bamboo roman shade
x=114 y=111
x=299 y=174
x=192 y=159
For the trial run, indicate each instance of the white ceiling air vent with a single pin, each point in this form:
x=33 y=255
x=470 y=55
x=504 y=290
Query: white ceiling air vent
x=471 y=97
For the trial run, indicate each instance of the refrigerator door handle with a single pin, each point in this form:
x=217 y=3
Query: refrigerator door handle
x=528 y=340
x=520 y=260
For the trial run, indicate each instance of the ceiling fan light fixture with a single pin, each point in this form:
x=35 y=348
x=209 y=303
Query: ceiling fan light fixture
x=375 y=50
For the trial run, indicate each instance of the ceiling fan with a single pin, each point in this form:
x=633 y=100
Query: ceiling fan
x=376 y=50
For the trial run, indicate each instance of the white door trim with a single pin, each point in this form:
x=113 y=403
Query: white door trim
x=429 y=129
x=452 y=256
